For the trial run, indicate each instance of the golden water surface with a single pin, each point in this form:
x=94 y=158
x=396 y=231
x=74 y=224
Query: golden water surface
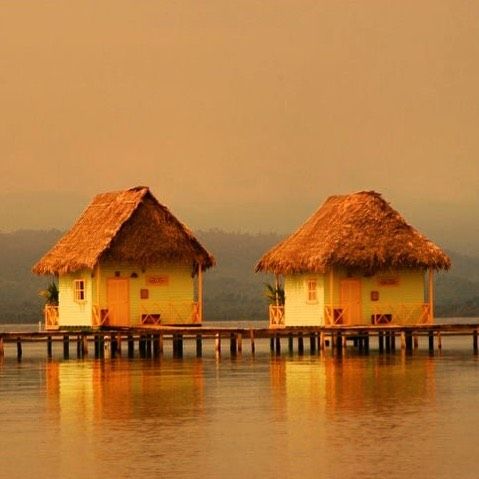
x=263 y=416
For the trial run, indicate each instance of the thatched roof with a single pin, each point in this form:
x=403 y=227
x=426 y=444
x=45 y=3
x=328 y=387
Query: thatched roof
x=126 y=226
x=359 y=231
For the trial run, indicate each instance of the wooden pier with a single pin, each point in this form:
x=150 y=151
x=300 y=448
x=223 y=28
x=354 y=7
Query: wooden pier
x=150 y=342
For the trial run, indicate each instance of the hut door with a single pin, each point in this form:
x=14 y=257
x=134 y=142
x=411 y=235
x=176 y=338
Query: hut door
x=118 y=302
x=351 y=300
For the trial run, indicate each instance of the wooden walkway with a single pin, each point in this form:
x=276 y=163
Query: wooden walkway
x=150 y=341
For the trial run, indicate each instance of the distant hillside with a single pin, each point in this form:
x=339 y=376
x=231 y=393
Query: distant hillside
x=232 y=290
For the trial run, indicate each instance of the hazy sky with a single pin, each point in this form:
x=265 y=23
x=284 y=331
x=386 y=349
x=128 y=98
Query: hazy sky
x=241 y=114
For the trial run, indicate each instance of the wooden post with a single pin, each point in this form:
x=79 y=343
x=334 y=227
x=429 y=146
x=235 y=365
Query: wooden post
x=49 y=346
x=474 y=341
x=431 y=296
x=156 y=346
x=251 y=337
x=388 y=342
x=339 y=342
x=101 y=344
x=233 y=344
x=178 y=345
x=381 y=341
x=300 y=344
x=79 y=351
x=2 y=350
x=142 y=345
x=431 y=341
x=19 y=348
x=366 y=342
x=416 y=341
x=118 y=343
x=403 y=340
x=84 y=345
x=312 y=343
x=131 y=346
x=66 y=346
x=409 y=341
x=161 y=343
x=113 y=345
x=393 y=341
x=278 y=344
x=200 y=293
x=239 y=342
x=290 y=343
x=439 y=341
x=148 y=345
x=218 y=344
x=331 y=294
x=321 y=341
x=199 y=346
x=97 y=345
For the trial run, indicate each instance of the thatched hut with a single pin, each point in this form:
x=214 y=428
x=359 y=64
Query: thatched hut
x=127 y=261
x=355 y=261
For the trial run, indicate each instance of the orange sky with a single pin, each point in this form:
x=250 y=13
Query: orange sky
x=241 y=114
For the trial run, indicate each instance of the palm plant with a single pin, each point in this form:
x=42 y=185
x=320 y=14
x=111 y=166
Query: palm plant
x=275 y=294
x=50 y=294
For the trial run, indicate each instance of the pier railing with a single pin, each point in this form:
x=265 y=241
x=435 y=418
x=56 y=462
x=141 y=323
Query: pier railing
x=276 y=316
x=174 y=312
x=379 y=314
x=50 y=314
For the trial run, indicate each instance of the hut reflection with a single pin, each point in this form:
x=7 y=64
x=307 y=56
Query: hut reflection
x=330 y=385
x=117 y=390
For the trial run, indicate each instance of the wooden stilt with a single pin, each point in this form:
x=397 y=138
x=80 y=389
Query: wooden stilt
x=300 y=344
x=312 y=343
x=199 y=346
x=118 y=343
x=113 y=345
x=393 y=341
x=403 y=340
x=416 y=341
x=131 y=346
x=388 y=342
x=156 y=345
x=66 y=346
x=431 y=341
x=251 y=337
x=339 y=342
x=409 y=341
x=474 y=341
x=19 y=348
x=321 y=341
x=149 y=349
x=218 y=344
x=439 y=340
x=49 y=347
x=381 y=341
x=84 y=345
x=160 y=338
x=2 y=350
x=278 y=344
x=271 y=344
x=101 y=343
x=290 y=344
x=233 y=347
x=97 y=345
x=239 y=342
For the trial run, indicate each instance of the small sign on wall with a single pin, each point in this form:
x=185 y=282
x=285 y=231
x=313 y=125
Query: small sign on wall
x=388 y=280
x=374 y=295
x=157 y=280
x=144 y=293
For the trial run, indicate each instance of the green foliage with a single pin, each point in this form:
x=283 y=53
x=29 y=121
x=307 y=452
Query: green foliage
x=50 y=294
x=274 y=294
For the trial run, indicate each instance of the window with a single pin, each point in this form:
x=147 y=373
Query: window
x=312 y=291
x=79 y=290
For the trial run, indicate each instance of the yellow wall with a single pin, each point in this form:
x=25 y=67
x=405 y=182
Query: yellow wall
x=298 y=311
x=179 y=291
x=72 y=313
x=410 y=292
x=173 y=300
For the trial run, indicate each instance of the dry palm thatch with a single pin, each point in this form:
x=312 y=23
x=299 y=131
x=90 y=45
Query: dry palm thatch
x=125 y=226
x=360 y=231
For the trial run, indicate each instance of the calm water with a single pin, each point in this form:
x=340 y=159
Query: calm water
x=312 y=416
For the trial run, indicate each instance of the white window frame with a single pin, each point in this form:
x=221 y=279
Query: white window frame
x=79 y=290
x=312 y=292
